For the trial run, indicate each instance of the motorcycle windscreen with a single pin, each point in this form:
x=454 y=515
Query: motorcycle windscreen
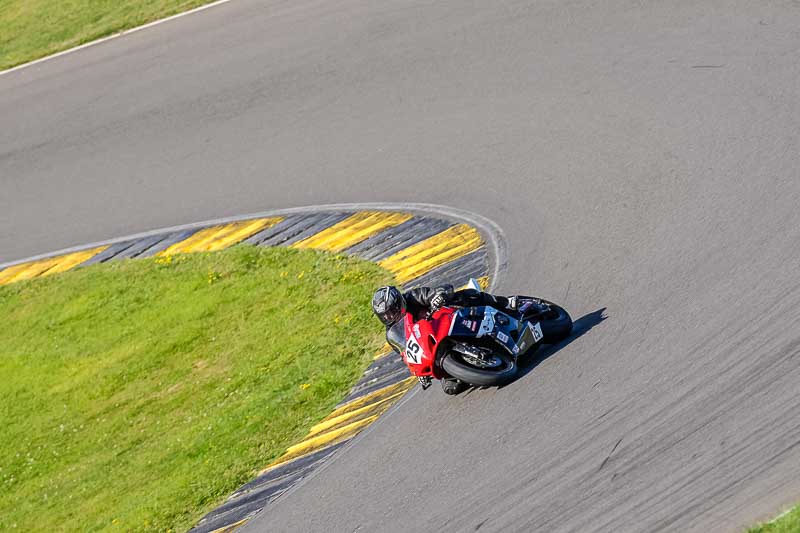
x=474 y=285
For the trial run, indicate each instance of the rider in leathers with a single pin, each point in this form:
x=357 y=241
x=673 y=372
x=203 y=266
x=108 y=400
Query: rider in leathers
x=390 y=305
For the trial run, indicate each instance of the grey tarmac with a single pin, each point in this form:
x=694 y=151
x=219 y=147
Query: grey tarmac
x=641 y=158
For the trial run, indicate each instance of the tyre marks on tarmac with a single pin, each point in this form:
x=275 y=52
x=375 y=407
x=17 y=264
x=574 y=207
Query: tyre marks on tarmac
x=417 y=249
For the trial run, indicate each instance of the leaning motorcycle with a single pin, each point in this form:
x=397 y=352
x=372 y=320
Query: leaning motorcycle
x=480 y=345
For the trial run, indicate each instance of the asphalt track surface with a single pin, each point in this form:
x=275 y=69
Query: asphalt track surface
x=641 y=157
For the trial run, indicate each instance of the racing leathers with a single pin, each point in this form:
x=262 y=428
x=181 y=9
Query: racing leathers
x=423 y=300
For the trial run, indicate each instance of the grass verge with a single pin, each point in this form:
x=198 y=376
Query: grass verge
x=30 y=29
x=137 y=394
x=788 y=523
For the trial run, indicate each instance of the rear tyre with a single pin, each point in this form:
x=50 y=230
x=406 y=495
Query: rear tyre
x=556 y=329
x=454 y=365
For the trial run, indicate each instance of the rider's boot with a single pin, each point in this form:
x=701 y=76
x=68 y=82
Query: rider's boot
x=453 y=386
x=524 y=303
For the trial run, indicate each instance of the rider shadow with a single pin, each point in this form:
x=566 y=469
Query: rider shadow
x=580 y=327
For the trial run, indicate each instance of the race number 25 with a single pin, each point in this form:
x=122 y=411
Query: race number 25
x=413 y=352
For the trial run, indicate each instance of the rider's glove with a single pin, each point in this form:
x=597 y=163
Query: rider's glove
x=438 y=299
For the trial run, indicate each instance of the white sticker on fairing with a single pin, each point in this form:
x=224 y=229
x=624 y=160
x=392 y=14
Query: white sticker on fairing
x=413 y=352
x=536 y=330
x=487 y=325
x=502 y=337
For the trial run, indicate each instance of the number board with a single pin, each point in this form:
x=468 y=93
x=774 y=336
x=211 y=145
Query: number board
x=537 y=331
x=413 y=352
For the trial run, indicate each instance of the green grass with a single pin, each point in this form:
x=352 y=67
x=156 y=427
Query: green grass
x=137 y=394
x=30 y=29
x=788 y=523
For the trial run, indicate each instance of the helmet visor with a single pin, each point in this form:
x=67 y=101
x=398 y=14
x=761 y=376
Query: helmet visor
x=390 y=316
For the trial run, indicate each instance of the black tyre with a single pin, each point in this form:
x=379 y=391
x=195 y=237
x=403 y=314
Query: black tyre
x=558 y=328
x=454 y=365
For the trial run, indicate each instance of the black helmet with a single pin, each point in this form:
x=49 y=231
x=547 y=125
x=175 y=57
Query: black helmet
x=388 y=305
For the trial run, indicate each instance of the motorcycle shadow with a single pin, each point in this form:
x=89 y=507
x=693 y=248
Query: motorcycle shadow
x=580 y=327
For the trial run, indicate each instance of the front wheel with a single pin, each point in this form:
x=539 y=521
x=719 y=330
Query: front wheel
x=455 y=365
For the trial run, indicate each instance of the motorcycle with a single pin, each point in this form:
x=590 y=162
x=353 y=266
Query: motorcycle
x=481 y=345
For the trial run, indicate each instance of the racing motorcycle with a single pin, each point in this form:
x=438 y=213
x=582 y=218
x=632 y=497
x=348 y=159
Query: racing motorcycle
x=480 y=345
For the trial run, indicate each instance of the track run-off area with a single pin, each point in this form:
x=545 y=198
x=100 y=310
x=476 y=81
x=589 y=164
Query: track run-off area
x=422 y=246
x=641 y=158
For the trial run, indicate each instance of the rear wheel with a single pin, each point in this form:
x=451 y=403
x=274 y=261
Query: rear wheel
x=556 y=324
x=503 y=371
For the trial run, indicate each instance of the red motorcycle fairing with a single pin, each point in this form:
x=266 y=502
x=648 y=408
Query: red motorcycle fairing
x=422 y=342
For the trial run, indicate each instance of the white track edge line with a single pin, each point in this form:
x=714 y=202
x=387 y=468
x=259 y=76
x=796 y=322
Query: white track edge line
x=113 y=36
